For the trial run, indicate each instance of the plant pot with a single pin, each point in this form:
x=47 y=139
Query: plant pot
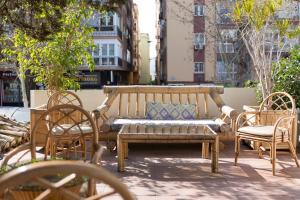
x=32 y=191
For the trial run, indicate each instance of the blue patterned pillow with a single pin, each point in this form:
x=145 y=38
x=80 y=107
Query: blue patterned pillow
x=160 y=111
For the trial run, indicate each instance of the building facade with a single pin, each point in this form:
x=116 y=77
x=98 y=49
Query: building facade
x=145 y=76
x=116 y=56
x=199 y=43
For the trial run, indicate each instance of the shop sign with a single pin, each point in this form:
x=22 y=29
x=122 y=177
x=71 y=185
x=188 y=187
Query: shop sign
x=8 y=74
x=89 y=79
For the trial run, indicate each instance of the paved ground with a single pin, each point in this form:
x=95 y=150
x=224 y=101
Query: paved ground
x=178 y=172
x=18 y=113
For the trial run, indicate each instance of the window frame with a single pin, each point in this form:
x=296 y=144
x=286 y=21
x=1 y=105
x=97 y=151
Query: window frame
x=199 y=71
x=198 y=10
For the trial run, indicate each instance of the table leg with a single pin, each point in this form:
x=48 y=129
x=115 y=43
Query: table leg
x=125 y=150
x=205 y=150
x=120 y=155
x=215 y=155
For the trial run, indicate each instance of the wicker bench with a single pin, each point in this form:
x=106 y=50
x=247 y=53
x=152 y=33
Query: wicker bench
x=126 y=105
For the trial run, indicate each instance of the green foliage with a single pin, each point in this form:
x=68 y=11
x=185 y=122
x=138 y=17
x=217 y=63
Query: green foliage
x=255 y=12
x=287 y=75
x=40 y=19
x=56 y=62
x=256 y=85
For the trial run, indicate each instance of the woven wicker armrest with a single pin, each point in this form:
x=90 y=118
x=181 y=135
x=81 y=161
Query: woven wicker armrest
x=23 y=147
x=246 y=119
x=283 y=124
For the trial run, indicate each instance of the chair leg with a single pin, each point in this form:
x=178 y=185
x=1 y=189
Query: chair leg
x=293 y=152
x=273 y=149
x=260 y=151
x=237 y=149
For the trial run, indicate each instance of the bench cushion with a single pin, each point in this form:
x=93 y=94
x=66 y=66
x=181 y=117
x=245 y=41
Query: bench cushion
x=160 y=111
x=115 y=125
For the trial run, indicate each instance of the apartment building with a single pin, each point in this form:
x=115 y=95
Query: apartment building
x=116 y=53
x=145 y=76
x=198 y=42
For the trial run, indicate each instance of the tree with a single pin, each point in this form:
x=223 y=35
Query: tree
x=266 y=37
x=54 y=63
x=41 y=18
x=287 y=75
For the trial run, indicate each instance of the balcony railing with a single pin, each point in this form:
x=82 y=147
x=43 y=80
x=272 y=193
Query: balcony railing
x=108 y=31
x=108 y=61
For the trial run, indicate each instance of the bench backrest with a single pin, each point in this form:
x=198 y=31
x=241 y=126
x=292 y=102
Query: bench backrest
x=130 y=101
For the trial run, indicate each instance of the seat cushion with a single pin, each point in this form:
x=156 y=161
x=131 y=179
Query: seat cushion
x=160 y=111
x=58 y=130
x=257 y=130
x=118 y=123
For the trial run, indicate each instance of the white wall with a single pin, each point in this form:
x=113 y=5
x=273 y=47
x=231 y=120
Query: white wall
x=234 y=97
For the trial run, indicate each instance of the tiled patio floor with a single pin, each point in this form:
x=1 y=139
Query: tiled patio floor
x=178 y=172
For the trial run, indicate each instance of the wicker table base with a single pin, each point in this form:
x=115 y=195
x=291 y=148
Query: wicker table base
x=168 y=134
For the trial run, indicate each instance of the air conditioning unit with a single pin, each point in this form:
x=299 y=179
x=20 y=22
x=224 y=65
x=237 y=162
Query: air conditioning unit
x=199 y=46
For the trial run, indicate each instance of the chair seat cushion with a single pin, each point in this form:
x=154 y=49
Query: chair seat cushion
x=116 y=124
x=78 y=129
x=257 y=130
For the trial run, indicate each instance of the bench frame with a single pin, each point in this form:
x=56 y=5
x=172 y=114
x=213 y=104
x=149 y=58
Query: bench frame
x=133 y=95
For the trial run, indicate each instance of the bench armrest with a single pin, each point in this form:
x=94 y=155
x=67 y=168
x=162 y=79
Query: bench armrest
x=100 y=111
x=229 y=112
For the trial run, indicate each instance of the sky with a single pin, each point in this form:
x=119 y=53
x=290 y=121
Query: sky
x=147 y=24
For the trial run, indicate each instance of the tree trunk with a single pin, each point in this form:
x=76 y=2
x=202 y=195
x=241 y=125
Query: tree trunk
x=23 y=91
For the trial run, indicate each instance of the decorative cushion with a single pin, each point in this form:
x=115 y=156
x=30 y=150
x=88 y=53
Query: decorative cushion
x=257 y=130
x=160 y=111
x=58 y=130
x=118 y=123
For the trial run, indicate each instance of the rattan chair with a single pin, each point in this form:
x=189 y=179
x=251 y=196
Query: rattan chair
x=67 y=128
x=37 y=174
x=271 y=124
x=63 y=97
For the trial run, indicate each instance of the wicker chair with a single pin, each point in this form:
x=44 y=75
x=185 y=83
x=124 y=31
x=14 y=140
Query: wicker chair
x=271 y=124
x=63 y=97
x=38 y=173
x=66 y=127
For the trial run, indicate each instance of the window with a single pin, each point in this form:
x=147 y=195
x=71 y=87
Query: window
x=199 y=68
x=199 y=40
x=225 y=48
x=226 y=72
x=229 y=34
x=104 y=55
x=199 y=10
x=107 y=22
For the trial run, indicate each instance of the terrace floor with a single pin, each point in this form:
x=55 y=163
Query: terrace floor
x=178 y=172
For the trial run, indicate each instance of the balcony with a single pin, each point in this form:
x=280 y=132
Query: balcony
x=113 y=31
x=109 y=63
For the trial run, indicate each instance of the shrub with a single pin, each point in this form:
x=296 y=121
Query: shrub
x=287 y=75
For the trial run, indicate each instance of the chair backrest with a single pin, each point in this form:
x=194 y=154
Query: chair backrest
x=62 y=122
x=63 y=97
x=276 y=105
x=38 y=173
x=131 y=101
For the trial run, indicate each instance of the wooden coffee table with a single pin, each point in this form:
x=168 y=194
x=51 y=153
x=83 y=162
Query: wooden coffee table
x=168 y=134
